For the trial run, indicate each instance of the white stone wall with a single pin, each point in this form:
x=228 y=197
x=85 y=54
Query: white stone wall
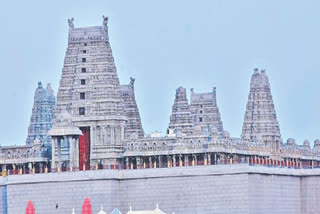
x=200 y=189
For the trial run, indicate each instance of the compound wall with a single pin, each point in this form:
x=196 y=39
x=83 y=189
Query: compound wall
x=198 y=189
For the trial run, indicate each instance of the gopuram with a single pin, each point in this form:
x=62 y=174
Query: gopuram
x=90 y=138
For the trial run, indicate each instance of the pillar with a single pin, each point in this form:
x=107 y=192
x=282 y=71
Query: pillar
x=59 y=154
x=155 y=163
x=4 y=170
x=150 y=162
x=53 y=154
x=180 y=160
x=205 y=159
x=186 y=160
x=30 y=167
x=13 y=169
x=168 y=161
x=131 y=163
x=160 y=161
x=41 y=167
x=76 y=163
x=174 y=161
x=209 y=159
x=71 y=153
x=127 y=163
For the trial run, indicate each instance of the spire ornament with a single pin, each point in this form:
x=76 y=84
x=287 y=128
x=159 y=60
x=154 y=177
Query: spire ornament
x=70 y=21
x=105 y=23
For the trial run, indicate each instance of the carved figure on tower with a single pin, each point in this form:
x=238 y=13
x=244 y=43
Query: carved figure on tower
x=70 y=21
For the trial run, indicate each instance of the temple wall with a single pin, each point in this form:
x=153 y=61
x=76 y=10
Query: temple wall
x=274 y=194
x=201 y=189
x=3 y=196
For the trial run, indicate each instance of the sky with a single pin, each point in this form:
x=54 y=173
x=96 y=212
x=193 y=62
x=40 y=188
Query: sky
x=166 y=44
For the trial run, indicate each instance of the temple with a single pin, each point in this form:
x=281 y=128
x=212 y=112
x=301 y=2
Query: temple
x=95 y=122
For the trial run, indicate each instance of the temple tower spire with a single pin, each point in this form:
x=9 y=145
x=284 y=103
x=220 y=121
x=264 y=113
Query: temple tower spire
x=42 y=114
x=260 y=120
x=205 y=112
x=90 y=91
x=131 y=110
x=181 y=118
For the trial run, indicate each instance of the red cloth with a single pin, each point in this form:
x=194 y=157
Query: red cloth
x=86 y=207
x=30 y=208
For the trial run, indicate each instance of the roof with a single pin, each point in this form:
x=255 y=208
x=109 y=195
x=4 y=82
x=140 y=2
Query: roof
x=155 y=211
x=116 y=211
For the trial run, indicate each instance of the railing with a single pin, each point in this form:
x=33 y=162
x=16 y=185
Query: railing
x=132 y=166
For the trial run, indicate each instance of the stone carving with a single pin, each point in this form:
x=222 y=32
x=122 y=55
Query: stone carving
x=105 y=23
x=132 y=81
x=70 y=21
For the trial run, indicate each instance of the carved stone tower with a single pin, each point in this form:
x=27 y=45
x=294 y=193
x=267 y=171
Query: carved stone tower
x=131 y=110
x=42 y=114
x=260 y=120
x=90 y=91
x=181 y=118
x=205 y=112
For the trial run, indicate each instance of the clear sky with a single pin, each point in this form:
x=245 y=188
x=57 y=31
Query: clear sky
x=165 y=44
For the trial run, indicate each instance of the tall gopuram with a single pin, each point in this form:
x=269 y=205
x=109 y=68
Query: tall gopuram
x=90 y=92
x=181 y=118
x=205 y=112
x=133 y=124
x=42 y=114
x=260 y=120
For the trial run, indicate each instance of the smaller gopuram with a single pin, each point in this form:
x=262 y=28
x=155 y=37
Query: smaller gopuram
x=260 y=120
x=42 y=114
x=181 y=118
x=205 y=112
x=133 y=124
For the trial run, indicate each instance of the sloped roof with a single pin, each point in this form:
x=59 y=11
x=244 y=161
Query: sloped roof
x=116 y=211
x=155 y=211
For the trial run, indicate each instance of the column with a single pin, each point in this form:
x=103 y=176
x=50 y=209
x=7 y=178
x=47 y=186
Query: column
x=169 y=161
x=4 y=170
x=138 y=162
x=174 y=161
x=30 y=167
x=127 y=163
x=186 y=160
x=160 y=161
x=180 y=160
x=20 y=169
x=209 y=159
x=13 y=169
x=59 y=154
x=41 y=167
x=205 y=159
x=76 y=164
x=150 y=162
x=53 y=154
x=71 y=153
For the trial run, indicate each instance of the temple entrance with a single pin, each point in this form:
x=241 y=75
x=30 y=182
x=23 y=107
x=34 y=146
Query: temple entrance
x=84 y=149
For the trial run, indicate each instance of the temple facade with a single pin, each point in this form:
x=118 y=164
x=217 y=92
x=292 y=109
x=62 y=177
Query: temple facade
x=95 y=122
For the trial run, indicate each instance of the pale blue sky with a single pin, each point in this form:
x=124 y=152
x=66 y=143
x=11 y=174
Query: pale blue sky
x=165 y=44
